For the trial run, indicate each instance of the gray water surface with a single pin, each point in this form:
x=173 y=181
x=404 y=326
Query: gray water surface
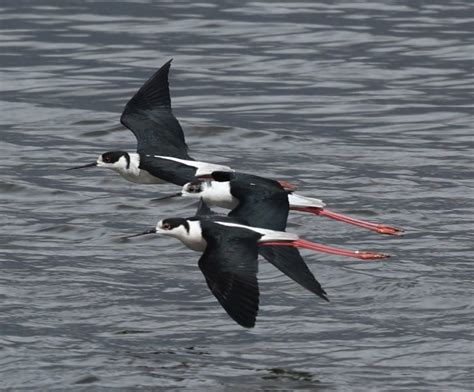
x=367 y=105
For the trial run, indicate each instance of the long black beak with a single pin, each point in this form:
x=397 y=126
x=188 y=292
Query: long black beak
x=83 y=167
x=168 y=196
x=151 y=231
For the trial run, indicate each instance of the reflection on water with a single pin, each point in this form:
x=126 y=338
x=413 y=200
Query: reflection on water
x=367 y=105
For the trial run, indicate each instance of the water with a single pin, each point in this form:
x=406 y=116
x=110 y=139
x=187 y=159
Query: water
x=368 y=105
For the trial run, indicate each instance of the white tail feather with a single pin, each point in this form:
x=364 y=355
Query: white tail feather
x=303 y=201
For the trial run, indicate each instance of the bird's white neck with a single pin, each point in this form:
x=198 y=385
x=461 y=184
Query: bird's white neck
x=131 y=171
x=193 y=238
x=218 y=194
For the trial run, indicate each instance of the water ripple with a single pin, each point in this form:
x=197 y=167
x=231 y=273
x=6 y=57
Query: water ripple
x=367 y=105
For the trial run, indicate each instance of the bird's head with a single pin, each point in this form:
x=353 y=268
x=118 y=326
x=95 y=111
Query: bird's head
x=188 y=231
x=195 y=188
x=117 y=160
x=213 y=193
x=191 y=189
x=174 y=227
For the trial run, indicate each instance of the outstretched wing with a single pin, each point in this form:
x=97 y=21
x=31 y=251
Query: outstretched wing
x=230 y=267
x=148 y=115
x=204 y=211
x=289 y=261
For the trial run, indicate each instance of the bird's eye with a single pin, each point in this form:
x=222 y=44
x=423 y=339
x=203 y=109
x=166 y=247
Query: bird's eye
x=194 y=189
x=106 y=159
x=166 y=226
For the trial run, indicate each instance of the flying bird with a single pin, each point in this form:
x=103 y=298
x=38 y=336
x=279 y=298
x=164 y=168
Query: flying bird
x=162 y=154
x=286 y=258
x=260 y=202
x=229 y=259
x=242 y=192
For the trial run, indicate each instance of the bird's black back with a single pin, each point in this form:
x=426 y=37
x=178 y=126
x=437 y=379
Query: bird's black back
x=262 y=202
x=245 y=177
x=260 y=205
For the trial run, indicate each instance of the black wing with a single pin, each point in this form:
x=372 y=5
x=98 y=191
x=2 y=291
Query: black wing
x=168 y=170
x=204 y=211
x=230 y=267
x=289 y=261
x=260 y=204
x=148 y=115
x=264 y=203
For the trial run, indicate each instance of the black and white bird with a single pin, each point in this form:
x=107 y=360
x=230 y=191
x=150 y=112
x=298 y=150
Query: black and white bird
x=286 y=258
x=243 y=194
x=229 y=260
x=260 y=202
x=162 y=153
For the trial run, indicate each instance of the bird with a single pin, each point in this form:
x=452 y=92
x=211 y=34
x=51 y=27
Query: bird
x=236 y=189
x=229 y=260
x=286 y=258
x=260 y=202
x=162 y=154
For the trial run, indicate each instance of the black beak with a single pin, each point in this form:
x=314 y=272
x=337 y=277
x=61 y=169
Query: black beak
x=151 y=231
x=83 y=167
x=168 y=196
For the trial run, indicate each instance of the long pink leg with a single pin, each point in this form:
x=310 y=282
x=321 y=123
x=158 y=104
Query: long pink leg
x=377 y=227
x=358 y=254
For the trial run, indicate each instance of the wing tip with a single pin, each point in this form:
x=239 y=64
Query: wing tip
x=247 y=324
x=166 y=65
x=246 y=319
x=323 y=295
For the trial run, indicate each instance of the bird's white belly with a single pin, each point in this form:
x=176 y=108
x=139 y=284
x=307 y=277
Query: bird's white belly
x=196 y=245
x=216 y=201
x=141 y=177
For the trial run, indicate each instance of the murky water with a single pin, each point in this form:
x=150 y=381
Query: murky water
x=368 y=105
